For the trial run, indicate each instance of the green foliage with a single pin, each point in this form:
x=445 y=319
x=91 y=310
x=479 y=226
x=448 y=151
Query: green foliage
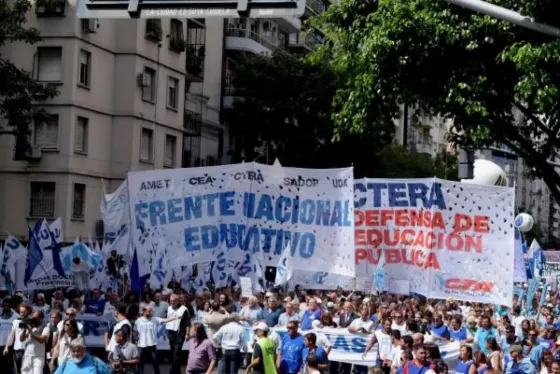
x=446 y=166
x=499 y=83
x=18 y=90
x=284 y=106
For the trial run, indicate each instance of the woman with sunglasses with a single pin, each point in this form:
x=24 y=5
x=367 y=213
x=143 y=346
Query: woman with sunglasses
x=62 y=351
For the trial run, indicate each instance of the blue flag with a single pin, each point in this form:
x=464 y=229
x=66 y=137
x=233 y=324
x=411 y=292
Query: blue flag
x=135 y=281
x=56 y=252
x=34 y=255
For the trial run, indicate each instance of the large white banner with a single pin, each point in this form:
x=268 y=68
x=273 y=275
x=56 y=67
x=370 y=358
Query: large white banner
x=439 y=238
x=199 y=214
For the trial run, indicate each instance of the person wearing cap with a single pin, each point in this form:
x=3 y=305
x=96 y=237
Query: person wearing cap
x=231 y=339
x=517 y=364
x=81 y=362
x=271 y=314
x=263 y=360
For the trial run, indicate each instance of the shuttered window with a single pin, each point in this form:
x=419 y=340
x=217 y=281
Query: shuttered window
x=49 y=64
x=81 y=135
x=46 y=133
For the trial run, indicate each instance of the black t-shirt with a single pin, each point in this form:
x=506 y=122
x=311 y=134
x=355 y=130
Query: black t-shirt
x=257 y=353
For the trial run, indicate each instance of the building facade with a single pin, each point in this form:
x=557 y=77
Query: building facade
x=133 y=95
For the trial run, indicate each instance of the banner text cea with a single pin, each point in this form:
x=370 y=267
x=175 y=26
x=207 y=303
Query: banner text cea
x=407 y=224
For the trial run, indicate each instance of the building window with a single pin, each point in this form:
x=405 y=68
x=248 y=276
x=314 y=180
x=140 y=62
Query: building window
x=153 y=30
x=85 y=69
x=42 y=199
x=177 y=37
x=172 y=93
x=49 y=64
x=147 y=145
x=196 y=47
x=81 y=135
x=149 y=89
x=46 y=133
x=170 y=150
x=79 y=201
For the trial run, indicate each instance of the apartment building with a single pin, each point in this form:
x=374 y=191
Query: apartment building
x=120 y=108
x=134 y=95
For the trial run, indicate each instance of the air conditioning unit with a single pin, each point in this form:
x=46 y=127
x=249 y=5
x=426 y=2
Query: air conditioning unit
x=90 y=25
x=35 y=153
x=143 y=80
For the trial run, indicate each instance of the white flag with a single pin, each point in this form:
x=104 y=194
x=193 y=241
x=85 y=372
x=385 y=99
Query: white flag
x=56 y=230
x=284 y=269
x=115 y=208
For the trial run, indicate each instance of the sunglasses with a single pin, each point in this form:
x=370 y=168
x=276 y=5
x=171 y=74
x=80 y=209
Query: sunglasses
x=290 y=328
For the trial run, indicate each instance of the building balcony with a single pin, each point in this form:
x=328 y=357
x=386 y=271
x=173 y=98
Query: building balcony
x=315 y=6
x=307 y=42
x=195 y=62
x=238 y=39
x=288 y=25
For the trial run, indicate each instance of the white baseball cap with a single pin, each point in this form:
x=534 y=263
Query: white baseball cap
x=261 y=326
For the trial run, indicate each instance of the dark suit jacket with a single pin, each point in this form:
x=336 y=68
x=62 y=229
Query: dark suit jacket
x=344 y=321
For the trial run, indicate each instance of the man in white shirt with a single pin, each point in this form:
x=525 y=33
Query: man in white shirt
x=34 y=335
x=396 y=350
x=71 y=315
x=174 y=333
x=123 y=324
x=146 y=327
x=14 y=338
x=6 y=319
x=384 y=346
x=231 y=339
x=400 y=324
x=363 y=324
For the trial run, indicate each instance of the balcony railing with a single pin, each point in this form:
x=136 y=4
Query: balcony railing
x=192 y=123
x=316 y=5
x=267 y=41
x=308 y=41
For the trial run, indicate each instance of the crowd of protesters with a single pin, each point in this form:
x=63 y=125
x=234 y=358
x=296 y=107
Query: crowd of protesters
x=44 y=335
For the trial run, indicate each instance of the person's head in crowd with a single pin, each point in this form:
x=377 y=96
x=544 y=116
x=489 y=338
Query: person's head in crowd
x=120 y=311
x=174 y=301
x=533 y=335
x=546 y=360
x=412 y=326
x=206 y=306
x=465 y=353
x=215 y=306
x=24 y=310
x=327 y=320
x=198 y=332
x=96 y=294
x=316 y=324
x=120 y=337
x=310 y=340
x=396 y=337
x=420 y=354
x=438 y=320
x=331 y=307
x=550 y=320
x=406 y=356
x=312 y=362
x=58 y=295
x=347 y=307
x=555 y=367
x=157 y=298
x=312 y=304
x=147 y=312
x=70 y=313
x=7 y=306
x=77 y=304
x=252 y=302
x=70 y=328
x=78 y=350
x=224 y=300
x=418 y=338
x=456 y=322
x=40 y=299
x=486 y=322
x=532 y=324
x=407 y=342
x=364 y=312
x=471 y=322
x=440 y=367
x=525 y=326
x=292 y=328
x=235 y=317
x=480 y=358
x=147 y=297
x=510 y=332
x=272 y=303
x=38 y=317
x=387 y=324
x=409 y=315
x=289 y=308
x=432 y=350
x=399 y=318
x=261 y=330
x=516 y=352
x=55 y=317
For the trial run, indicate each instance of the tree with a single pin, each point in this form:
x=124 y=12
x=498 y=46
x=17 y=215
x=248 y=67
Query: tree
x=499 y=83
x=18 y=90
x=283 y=109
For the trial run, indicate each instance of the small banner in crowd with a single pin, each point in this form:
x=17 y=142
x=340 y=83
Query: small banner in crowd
x=447 y=239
